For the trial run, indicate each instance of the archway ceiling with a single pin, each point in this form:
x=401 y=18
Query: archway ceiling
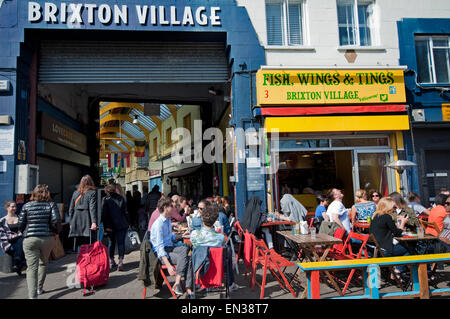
x=116 y=123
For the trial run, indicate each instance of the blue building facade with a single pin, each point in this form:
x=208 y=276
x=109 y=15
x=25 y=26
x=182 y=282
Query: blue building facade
x=19 y=51
x=424 y=49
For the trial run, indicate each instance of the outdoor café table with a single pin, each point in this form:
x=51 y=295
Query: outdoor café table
x=411 y=240
x=272 y=227
x=307 y=243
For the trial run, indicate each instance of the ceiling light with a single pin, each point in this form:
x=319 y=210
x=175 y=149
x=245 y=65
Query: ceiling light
x=306 y=155
x=136 y=120
x=118 y=142
x=318 y=153
x=299 y=143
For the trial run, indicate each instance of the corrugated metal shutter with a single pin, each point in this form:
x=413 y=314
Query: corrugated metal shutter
x=132 y=62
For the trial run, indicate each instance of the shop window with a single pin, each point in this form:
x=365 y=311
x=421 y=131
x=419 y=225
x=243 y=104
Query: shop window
x=355 y=22
x=359 y=142
x=433 y=62
x=284 y=20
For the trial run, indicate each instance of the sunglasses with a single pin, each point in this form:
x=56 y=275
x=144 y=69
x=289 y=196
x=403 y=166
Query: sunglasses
x=375 y=195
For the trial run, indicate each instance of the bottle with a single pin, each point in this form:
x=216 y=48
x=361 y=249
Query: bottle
x=369 y=219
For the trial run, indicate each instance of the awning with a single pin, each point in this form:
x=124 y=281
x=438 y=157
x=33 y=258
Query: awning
x=184 y=172
x=345 y=123
x=320 y=110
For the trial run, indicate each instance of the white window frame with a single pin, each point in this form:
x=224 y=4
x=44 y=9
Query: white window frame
x=285 y=29
x=430 y=57
x=373 y=29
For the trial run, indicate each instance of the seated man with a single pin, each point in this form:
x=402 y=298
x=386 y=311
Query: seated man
x=163 y=242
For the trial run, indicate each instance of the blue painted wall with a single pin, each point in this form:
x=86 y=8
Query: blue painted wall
x=426 y=97
x=244 y=52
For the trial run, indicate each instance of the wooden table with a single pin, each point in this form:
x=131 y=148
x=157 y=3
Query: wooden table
x=416 y=238
x=272 y=225
x=307 y=243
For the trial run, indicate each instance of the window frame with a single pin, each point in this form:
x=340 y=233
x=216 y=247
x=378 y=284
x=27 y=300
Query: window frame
x=430 y=56
x=373 y=37
x=285 y=40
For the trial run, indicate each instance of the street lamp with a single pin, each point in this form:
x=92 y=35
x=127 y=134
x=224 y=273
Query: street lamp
x=400 y=166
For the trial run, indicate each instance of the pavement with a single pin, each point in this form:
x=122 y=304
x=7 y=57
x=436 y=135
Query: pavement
x=60 y=284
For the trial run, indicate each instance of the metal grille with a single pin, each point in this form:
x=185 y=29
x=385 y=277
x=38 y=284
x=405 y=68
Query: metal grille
x=132 y=62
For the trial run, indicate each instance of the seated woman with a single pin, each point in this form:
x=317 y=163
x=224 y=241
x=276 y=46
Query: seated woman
x=362 y=208
x=11 y=238
x=402 y=209
x=384 y=230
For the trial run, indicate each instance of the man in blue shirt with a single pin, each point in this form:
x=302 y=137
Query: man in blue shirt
x=163 y=244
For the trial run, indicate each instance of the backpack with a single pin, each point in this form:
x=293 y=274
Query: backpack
x=92 y=265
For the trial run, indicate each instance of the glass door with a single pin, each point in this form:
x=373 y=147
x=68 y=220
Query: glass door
x=370 y=172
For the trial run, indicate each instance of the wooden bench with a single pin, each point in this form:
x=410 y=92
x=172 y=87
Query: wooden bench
x=371 y=275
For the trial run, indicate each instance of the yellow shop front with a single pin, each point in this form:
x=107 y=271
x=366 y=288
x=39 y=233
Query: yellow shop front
x=331 y=128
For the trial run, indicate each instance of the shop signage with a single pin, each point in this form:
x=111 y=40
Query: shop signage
x=278 y=87
x=57 y=132
x=446 y=112
x=120 y=14
x=7 y=140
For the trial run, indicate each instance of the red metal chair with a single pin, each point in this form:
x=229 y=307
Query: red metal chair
x=162 y=270
x=241 y=237
x=216 y=272
x=271 y=260
x=248 y=251
x=347 y=253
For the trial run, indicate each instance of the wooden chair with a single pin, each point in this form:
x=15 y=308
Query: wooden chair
x=269 y=259
x=379 y=250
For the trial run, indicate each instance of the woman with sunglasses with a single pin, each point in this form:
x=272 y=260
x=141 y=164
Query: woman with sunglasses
x=374 y=196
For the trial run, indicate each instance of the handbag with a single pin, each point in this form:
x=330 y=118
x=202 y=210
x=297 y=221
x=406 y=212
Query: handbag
x=132 y=241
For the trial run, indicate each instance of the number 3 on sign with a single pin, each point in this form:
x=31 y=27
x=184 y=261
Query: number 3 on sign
x=266 y=94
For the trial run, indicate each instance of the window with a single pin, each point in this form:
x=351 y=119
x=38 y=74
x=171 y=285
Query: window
x=155 y=146
x=432 y=53
x=169 y=136
x=187 y=122
x=358 y=33
x=284 y=19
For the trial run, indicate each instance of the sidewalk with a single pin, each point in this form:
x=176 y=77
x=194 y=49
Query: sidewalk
x=124 y=285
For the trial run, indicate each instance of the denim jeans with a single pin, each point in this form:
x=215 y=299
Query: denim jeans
x=119 y=237
x=16 y=251
x=399 y=250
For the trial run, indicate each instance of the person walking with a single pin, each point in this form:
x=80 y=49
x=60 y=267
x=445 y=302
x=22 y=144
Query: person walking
x=83 y=211
x=116 y=222
x=151 y=202
x=38 y=220
x=11 y=238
